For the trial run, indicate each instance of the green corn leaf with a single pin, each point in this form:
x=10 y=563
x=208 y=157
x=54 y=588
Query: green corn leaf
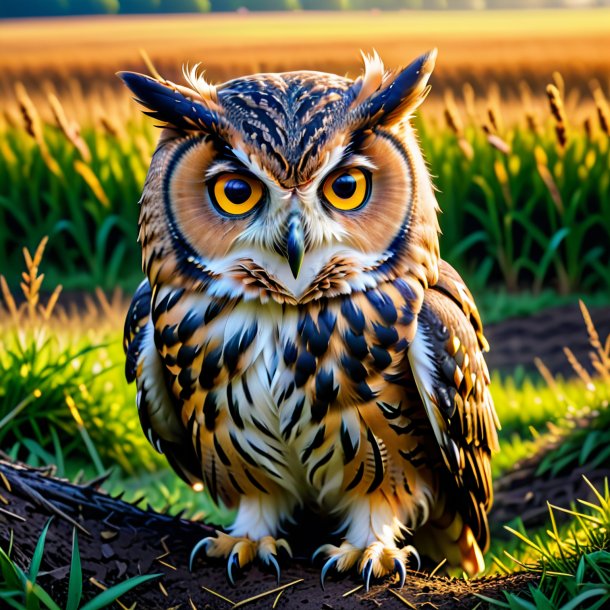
x=36 y=590
x=589 y=445
x=518 y=603
x=541 y=601
x=580 y=571
x=466 y=243
x=494 y=603
x=12 y=575
x=13 y=603
x=577 y=602
x=600 y=458
x=601 y=604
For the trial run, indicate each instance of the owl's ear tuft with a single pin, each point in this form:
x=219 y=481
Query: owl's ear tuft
x=399 y=94
x=170 y=103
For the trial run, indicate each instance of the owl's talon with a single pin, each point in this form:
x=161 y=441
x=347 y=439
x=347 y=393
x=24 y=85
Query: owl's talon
x=367 y=570
x=231 y=563
x=330 y=563
x=412 y=552
x=399 y=566
x=239 y=551
x=271 y=560
x=280 y=543
x=375 y=561
x=319 y=550
x=203 y=543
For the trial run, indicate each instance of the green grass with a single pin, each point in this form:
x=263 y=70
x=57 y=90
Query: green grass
x=532 y=412
x=573 y=560
x=522 y=213
x=19 y=589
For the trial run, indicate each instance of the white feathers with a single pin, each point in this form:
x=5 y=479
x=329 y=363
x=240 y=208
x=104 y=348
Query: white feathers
x=277 y=267
x=425 y=375
x=196 y=80
x=372 y=79
x=260 y=516
x=351 y=426
x=423 y=367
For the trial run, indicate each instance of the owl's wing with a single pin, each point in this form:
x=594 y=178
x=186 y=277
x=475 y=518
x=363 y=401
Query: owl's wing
x=446 y=357
x=135 y=322
x=156 y=408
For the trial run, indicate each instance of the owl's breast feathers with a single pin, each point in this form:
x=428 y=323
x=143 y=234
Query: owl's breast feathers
x=380 y=390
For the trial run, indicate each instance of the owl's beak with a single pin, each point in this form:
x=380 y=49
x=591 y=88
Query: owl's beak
x=295 y=243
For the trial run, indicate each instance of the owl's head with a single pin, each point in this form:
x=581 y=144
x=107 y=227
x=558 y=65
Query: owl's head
x=291 y=186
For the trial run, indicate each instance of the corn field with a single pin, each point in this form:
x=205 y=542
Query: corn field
x=524 y=187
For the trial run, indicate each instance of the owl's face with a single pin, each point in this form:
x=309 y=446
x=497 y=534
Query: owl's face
x=290 y=186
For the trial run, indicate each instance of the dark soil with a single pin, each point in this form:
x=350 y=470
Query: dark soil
x=517 y=341
x=118 y=540
x=521 y=493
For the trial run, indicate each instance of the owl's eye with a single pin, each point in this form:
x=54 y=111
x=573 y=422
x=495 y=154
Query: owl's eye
x=347 y=189
x=236 y=194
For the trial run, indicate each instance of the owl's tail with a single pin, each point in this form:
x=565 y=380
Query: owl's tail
x=449 y=537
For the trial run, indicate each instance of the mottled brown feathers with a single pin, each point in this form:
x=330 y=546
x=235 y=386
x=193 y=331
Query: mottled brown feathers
x=298 y=339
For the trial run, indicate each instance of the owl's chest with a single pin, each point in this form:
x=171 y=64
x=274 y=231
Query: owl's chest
x=329 y=352
x=234 y=364
x=281 y=387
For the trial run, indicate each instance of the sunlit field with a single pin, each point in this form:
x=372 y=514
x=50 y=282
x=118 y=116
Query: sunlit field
x=479 y=47
x=517 y=136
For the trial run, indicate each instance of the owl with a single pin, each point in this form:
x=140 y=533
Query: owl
x=298 y=341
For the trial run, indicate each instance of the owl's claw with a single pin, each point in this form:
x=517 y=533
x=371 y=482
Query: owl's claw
x=340 y=558
x=377 y=560
x=411 y=551
x=327 y=566
x=201 y=544
x=399 y=568
x=273 y=561
x=232 y=563
x=240 y=551
x=367 y=570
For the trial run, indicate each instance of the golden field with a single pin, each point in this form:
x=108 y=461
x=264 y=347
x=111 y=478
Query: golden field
x=474 y=46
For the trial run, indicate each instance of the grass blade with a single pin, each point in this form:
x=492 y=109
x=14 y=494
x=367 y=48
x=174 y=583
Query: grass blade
x=112 y=593
x=38 y=552
x=75 y=585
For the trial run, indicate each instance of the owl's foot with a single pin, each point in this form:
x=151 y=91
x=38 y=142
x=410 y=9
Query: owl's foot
x=240 y=551
x=375 y=560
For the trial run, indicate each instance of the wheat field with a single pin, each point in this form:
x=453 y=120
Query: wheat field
x=476 y=46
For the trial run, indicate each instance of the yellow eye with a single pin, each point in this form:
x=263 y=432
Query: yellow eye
x=347 y=189
x=236 y=194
